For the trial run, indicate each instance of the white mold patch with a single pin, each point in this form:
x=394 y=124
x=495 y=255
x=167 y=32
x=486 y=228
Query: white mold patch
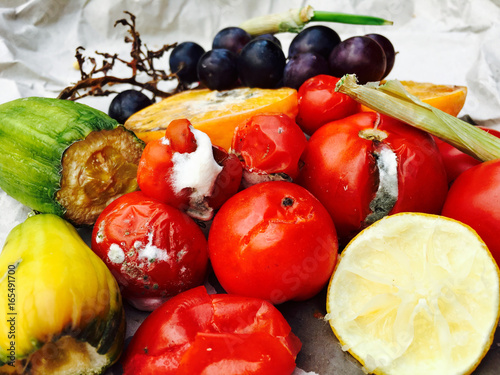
x=116 y=254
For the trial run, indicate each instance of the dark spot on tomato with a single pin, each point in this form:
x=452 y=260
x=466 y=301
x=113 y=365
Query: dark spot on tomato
x=287 y=202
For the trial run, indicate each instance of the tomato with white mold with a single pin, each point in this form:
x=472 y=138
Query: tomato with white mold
x=154 y=250
x=366 y=166
x=184 y=170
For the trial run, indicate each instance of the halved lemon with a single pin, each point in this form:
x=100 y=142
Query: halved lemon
x=447 y=98
x=415 y=294
x=216 y=113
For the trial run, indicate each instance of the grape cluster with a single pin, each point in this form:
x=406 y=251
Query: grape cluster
x=236 y=58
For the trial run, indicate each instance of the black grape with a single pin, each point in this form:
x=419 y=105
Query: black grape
x=303 y=66
x=358 y=55
x=270 y=37
x=217 y=69
x=261 y=64
x=318 y=39
x=126 y=103
x=388 y=48
x=184 y=59
x=231 y=38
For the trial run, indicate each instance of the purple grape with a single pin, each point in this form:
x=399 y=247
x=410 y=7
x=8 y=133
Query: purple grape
x=358 y=55
x=270 y=37
x=126 y=103
x=261 y=64
x=184 y=59
x=303 y=66
x=231 y=38
x=388 y=48
x=318 y=39
x=217 y=69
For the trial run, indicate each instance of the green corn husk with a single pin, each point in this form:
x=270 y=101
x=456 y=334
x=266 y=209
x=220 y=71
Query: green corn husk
x=294 y=20
x=392 y=99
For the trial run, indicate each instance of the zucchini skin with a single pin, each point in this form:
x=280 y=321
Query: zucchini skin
x=34 y=133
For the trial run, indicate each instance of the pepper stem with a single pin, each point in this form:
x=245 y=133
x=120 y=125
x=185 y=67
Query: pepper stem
x=294 y=20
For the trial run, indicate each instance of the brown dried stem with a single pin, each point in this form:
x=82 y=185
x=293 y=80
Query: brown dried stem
x=142 y=60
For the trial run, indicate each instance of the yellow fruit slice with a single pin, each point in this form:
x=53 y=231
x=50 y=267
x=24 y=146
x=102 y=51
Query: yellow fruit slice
x=447 y=98
x=216 y=113
x=415 y=294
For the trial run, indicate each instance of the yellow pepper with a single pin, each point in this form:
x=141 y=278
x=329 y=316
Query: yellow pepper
x=60 y=307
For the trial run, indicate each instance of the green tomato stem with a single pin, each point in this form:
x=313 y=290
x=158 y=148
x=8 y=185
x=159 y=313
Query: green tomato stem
x=393 y=100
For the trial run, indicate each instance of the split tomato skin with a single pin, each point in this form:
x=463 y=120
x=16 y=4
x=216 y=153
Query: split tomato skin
x=273 y=241
x=474 y=199
x=154 y=250
x=195 y=333
x=341 y=169
x=319 y=103
x=156 y=164
x=228 y=181
x=158 y=171
x=269 y=146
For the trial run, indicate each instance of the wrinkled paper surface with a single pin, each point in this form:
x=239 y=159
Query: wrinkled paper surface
x=446 y=42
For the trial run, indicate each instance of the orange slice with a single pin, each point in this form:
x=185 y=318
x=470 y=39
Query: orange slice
x=447 y=98
x=216 y=113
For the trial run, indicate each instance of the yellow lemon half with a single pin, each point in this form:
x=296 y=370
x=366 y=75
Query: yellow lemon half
x=415 y=294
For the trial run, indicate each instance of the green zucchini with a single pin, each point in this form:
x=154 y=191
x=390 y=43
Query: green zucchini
x=65 y=158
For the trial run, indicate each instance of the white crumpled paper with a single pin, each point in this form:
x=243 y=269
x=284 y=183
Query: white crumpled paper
x=447 y=42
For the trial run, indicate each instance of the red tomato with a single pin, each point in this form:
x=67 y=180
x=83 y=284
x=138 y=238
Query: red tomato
x=367 y=165
x=320 y=104
x=269 y=146
x=198 y=333
x=184 y=170
x=154 y=250
x=456 y=161
x=273 y=241
x=474 y=199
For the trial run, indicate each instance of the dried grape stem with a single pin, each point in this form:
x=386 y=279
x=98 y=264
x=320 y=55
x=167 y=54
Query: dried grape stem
x=142 y=61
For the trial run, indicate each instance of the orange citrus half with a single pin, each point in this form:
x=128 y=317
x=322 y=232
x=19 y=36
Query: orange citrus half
x=415 y=294
x=216 y=113
x=447 y=98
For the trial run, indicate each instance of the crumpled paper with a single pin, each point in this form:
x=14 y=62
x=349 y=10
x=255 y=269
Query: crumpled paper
x=446 y=42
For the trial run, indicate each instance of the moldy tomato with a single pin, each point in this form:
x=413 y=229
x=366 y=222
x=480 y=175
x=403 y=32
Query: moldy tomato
x=273 y=241
x=269 y=146
x=474 y=199
x=154 y=250
x=184 y=170
x=368 y=165
x=198 y=333
x=319 y=103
